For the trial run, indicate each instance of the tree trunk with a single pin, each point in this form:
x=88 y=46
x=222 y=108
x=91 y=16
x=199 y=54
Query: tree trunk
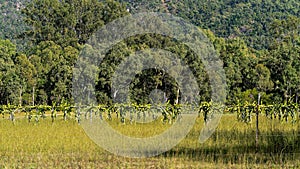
x=257 y=130
x=33 y=90
x=177 y=96
x=20 y=96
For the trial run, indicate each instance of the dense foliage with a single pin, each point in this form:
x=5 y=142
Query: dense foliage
x=258 y=41
x=249 y=20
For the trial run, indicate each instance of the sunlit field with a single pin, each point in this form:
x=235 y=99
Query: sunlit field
x=64 y=144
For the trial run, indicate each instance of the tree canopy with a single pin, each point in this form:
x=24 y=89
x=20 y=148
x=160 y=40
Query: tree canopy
x=258 y=42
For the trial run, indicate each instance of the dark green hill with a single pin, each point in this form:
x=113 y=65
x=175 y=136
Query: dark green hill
x=227 y=18
x=11 y=23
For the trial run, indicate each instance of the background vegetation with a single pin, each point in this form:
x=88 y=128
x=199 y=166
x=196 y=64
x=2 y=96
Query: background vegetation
x=258 y=42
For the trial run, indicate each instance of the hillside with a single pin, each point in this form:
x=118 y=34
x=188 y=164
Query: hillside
x=227 y=18
x=11 y=20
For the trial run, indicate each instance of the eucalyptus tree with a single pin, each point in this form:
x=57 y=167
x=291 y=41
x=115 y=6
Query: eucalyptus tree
x=53 y=64
x=26 y=72
x=283 y=57
x=8 y=76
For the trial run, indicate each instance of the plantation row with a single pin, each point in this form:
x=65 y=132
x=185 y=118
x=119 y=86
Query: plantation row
x=134 y=112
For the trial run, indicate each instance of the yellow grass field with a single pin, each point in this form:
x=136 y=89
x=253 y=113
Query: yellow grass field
x=64 y=144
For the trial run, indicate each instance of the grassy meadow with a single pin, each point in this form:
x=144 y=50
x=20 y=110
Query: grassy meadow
x=64 y=144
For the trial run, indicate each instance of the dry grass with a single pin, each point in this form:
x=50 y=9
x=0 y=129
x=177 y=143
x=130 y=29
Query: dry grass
x=64 y=144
